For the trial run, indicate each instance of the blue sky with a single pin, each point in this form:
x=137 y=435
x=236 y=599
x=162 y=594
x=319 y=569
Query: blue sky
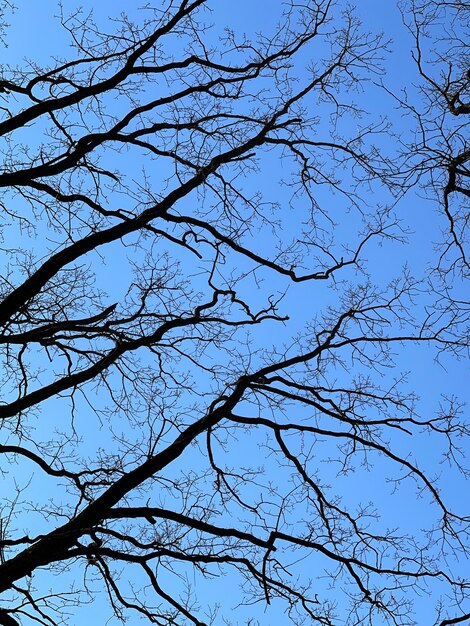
x=33 y=35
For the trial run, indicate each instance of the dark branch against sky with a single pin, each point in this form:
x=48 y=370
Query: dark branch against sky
x=233 y=313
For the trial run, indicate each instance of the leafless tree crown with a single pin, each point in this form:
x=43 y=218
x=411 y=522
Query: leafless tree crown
x=198 y=345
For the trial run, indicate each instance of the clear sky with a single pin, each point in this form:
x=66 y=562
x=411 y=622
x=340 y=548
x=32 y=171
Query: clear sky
x=35 y=35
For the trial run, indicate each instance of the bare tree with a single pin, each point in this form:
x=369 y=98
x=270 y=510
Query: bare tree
x=440 y=32
x=165 y=425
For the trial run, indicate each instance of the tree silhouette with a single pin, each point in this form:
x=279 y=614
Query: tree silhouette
x=172 y=193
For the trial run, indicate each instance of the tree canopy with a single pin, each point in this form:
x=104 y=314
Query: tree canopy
x=233 y=314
